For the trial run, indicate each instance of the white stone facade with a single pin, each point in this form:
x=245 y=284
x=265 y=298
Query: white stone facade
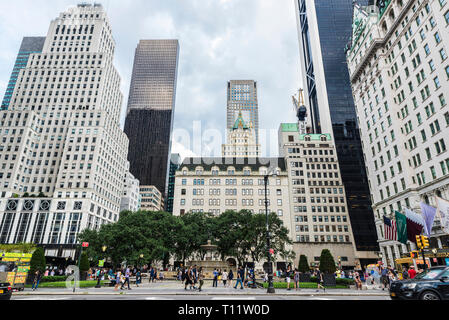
x=318 y=209
x=131 y=193
x=151 y=199
x=62 y=137
x=399 y=68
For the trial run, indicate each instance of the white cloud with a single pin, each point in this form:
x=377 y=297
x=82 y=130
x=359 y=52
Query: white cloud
x=219 y=41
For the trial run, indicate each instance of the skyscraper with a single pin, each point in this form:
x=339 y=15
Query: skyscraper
x=63 y=154
x=242 y=98
x=324 y=28
x=29 y=45
x=151 y=108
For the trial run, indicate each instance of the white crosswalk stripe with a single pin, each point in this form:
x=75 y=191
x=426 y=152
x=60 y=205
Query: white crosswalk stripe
x=234 y=298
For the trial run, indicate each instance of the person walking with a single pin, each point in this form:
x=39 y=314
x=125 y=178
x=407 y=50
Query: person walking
x=296 y=278
x=188 y=279
x=230 y=277
x=138 y=277
x=127 y=275
x=404 y=274
x=288 y=274
x=37 y=279
x=240 y=276
x=319 y=280
x=118 y=277
x=384 y=278
x=201 y=279
x=215 y=279
x=358 y=283
x=224 y=277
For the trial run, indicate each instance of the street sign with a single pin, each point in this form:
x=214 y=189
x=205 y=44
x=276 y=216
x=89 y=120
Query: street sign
x=101 y=263
x=85 y=244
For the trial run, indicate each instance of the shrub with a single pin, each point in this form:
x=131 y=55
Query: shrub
x=327 y=262
x=303 y=265
x=37 y=261
x=84 y=263
x=54 y=279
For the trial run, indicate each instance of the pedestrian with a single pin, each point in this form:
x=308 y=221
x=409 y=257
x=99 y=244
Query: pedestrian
x=151 y=274
x=215 y=279
x=412 y=272
x=319 y=280
x=138 y=277
x=201 y=278
x=127 y=275
x=188 y=280
x=358 y=283
x=343 y=274
x=224 y=277
x=230 y=277
x=195 y=276
x=288 y=274
x=404 y=274
x=118 y=277
x=296 y=278
x=161 y=275
x=37 y=279
x=240 y=276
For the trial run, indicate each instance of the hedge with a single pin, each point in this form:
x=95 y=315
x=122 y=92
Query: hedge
x=82 y=284
x=302 y=285
x=53 y=279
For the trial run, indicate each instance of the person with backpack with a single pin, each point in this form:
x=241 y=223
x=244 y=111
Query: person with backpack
x=215 y=279
x=37 y=279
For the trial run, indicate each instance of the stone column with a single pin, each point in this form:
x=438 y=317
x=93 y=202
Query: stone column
x=440 y=245
x=391 y=256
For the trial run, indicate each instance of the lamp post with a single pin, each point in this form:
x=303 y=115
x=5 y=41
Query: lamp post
x=435 y=251
x=270 y=172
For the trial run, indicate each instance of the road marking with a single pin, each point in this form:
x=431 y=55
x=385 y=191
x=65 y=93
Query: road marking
x=43 y=298
x=313 y=298
x=233 y=298
x=157 y=298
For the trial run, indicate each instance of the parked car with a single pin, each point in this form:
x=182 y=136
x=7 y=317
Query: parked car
x=432 y=284
x=5 y=291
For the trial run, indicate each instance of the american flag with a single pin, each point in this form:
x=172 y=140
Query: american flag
x=390 y=229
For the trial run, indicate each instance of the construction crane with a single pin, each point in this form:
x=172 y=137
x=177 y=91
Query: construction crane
x=301 y=112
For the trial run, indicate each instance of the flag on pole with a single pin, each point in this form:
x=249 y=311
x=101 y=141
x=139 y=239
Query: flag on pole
x=401 y=226
x=390 y=232
x=415 y=224
x=443 y=213
x=428 y=213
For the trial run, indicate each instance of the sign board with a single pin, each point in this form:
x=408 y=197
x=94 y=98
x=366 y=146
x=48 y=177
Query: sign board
x=85 y=244
x=101 y=263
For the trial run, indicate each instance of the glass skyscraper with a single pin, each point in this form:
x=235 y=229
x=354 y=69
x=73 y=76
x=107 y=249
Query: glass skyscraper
x=324 y=28
x=29 y=46
x=151 y=107
x=242 y=98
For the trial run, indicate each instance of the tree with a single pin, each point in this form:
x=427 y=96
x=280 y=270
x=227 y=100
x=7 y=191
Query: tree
x=327 y=263
x=37 y=261
x=303 y=265
x=84 y=263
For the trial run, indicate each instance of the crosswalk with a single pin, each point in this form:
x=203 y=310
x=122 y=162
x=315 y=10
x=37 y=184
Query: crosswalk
x=233 y=298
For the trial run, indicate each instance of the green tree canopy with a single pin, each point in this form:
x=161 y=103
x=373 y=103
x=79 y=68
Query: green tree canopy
x=327 y=263
x=84 y=263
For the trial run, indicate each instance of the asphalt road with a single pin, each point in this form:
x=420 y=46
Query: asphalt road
x=193 y=297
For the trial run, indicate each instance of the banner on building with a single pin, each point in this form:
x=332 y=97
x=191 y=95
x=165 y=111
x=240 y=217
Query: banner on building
x=401 y=225
x=428 y=213
x=415 y=224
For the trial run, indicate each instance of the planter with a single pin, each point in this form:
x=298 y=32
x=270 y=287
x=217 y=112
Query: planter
x=329 y=280
x=305 y=277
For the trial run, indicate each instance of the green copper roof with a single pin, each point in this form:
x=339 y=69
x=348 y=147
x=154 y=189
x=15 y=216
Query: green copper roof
x=240 y=123
x=289 y=127
x=315 y=137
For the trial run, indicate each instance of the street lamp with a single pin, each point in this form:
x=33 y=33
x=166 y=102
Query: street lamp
x=270 y=172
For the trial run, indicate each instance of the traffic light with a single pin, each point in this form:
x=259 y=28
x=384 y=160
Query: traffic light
x=418 y=242
x=425 y=241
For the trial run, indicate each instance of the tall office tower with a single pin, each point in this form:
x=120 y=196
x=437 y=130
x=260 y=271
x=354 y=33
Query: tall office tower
x=175 y=162
x=242 y=98
x=318 y=206
x=151 y=109
x=324 y=28
x=399 y=71
x=29 y=45
x=61 y=137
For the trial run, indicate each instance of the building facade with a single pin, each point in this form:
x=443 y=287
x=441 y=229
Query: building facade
x=61 y=137
x=131 y=193
x=151 y=199
x=399 y=71
x=151 y=107
x=175 y=162
x=242 y=98
x=318 y=208
x=29 y=45
x=241 y=140
x=323 y=29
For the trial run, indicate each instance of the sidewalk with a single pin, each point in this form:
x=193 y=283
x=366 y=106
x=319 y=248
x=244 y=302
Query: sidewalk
x=177 y=288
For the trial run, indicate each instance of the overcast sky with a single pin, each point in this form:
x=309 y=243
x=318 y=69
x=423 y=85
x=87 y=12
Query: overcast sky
x=219 y=40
